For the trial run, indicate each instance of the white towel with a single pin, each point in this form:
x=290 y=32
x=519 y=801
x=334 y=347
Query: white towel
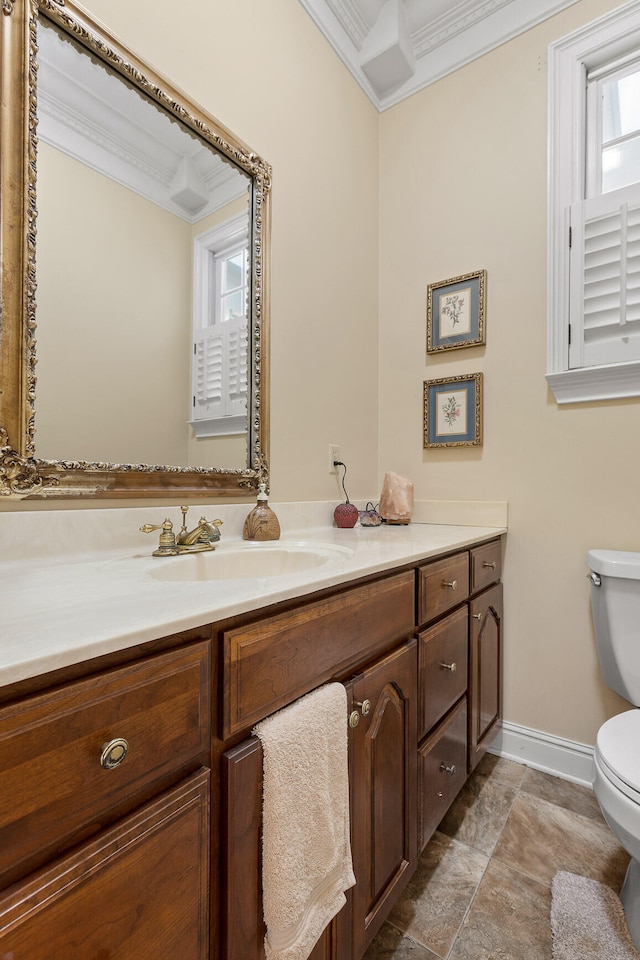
x=306 y=850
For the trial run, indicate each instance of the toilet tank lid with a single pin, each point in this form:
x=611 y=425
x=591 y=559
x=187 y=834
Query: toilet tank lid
x=615 y=563
x=617 y=745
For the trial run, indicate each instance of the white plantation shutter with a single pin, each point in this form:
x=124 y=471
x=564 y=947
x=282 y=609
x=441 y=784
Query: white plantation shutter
x=220 y=376
x=605 y=279
x=237 y=365
x=207 y=373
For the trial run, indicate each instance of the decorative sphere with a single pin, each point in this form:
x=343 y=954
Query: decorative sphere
x=345 y=515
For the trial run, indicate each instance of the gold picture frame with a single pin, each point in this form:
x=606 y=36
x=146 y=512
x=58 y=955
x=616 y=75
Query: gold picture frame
x=456 y=312
x=452 y=411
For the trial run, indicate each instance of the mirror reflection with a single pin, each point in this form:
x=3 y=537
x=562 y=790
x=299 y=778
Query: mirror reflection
x=143 y=276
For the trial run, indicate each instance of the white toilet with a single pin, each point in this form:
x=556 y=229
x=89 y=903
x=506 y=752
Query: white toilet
x=615 y=602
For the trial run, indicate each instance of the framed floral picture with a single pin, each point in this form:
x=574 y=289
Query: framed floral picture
x=456 y=312
x=453 y=411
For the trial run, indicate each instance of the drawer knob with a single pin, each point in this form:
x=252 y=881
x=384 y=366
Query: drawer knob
x=354 y=718
x=449 y=666
x=113 y=753
x=453 y=584
x=491 y=564
x=365 y=706
x=477 y=616
x=450 y=770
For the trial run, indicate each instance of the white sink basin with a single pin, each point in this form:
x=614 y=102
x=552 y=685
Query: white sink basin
x=240 y=561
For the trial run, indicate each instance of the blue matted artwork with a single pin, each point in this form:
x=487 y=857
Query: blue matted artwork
x=453 y=411
x=456 y=312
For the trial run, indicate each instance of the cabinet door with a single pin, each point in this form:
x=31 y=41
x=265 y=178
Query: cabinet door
x=383 y=789
x=485 y=656
x=138 y=891
x=241 y=882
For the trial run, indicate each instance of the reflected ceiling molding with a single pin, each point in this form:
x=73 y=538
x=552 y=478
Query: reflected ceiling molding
x=92 y=116
x=394 y=48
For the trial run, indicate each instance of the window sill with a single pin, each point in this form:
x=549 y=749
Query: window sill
x=220 y=426
x=596 y=383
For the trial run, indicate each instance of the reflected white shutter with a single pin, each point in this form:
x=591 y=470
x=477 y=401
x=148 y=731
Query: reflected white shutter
x=208 y=374
x=237 y=366
x=605 y=279
x=220 y=372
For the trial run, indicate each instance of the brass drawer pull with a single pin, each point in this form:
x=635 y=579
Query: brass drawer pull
x=450 y=770
x=450 y=583
x=354 y=719
x=449 y=666
x=489 y=563
x=477 y=616
x=113 y=753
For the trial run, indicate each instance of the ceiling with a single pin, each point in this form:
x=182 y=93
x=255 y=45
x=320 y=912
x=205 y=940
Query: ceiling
x=395 y=47
x=87 y=113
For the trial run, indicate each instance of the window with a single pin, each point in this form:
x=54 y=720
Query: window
x=220 y=330
x=594 y=210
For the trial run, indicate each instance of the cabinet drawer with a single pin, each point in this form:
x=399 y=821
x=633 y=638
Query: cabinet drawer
x=486 y=565
x=140 y=889
x=442 y=665
x=442 y=763
x=54 y=788
x=272 y=662
x=442 y=585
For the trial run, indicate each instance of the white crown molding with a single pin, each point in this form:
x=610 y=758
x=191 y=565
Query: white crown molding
x=453 y=22
x=350 y=16
x=441 y=43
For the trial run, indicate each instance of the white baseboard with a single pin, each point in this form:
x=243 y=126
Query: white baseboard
x=542 y=751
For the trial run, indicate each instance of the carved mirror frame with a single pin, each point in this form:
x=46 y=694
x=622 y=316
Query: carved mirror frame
x=22 y=474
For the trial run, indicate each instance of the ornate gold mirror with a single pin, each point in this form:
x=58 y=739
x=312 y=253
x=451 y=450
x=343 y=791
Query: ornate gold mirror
x=134 y=235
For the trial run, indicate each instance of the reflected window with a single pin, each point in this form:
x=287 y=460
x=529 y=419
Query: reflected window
x=220 y=330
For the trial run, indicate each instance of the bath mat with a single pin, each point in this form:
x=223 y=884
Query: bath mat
x=587 y=921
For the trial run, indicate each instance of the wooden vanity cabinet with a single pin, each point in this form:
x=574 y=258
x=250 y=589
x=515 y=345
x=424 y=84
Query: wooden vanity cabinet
x=360 y=637
x=459 y=602
x=426 y=707
x=160 y=856
x=105 y=814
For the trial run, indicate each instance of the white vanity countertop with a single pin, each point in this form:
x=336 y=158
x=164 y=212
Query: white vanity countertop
x=62 y=606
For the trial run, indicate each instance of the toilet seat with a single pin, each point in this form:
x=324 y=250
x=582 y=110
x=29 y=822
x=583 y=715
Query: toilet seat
x=617 y=752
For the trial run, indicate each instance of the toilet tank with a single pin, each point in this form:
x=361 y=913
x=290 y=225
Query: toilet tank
x=615 y=603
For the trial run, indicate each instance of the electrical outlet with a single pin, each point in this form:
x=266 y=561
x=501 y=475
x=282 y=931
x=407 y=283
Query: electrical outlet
x=334 y=454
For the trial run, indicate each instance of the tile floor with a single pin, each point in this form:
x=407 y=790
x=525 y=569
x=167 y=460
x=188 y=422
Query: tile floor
x=482 y=890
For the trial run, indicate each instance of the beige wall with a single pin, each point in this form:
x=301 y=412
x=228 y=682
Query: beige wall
x=265 y=71
x=463 y=186
x=114 y=320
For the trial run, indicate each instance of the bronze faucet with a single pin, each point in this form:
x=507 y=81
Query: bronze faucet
x=202 y=538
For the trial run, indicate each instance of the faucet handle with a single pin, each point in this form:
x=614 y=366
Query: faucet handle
x=167 y=545
x=211 y=529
